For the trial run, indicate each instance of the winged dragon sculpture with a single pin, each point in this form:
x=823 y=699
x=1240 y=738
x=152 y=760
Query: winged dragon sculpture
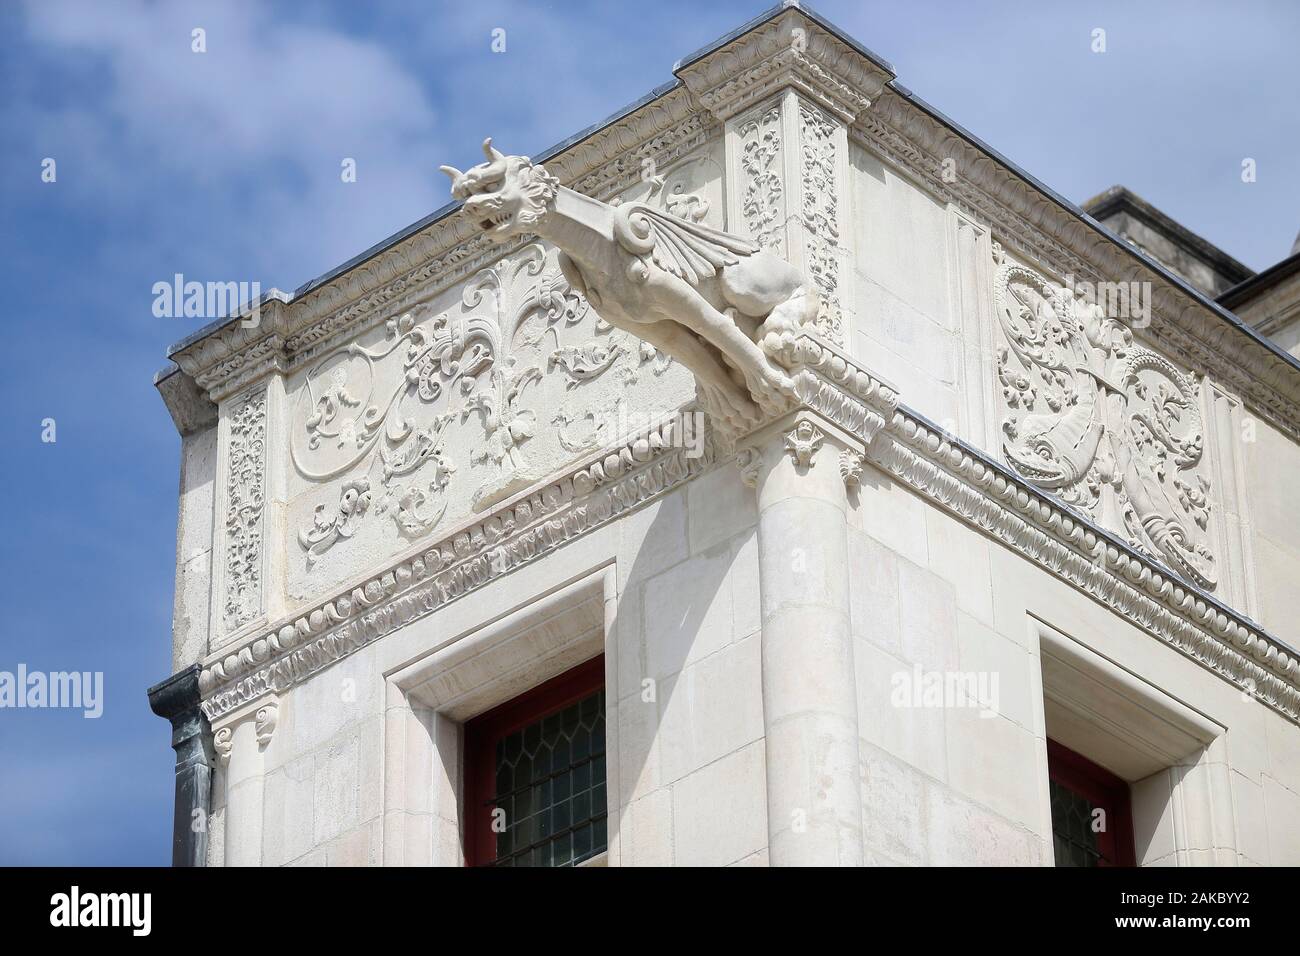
x=716 y=302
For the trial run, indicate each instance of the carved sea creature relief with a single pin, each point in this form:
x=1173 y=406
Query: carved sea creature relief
x=717 y=303
x=1103 y=422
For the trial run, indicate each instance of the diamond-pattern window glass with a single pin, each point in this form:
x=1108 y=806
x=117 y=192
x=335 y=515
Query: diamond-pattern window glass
x=1092 y=822
x=535 y=792
x=1072 y=835
x=550 y=781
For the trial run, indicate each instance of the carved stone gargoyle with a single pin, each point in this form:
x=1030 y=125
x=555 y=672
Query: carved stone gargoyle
x=717 y=303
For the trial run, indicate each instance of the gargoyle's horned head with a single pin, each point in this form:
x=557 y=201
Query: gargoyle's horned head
x=506 y=196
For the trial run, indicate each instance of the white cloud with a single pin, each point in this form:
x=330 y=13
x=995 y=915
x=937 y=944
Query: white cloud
x=261 y=123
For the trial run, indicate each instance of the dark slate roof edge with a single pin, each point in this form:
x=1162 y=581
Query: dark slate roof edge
x=1260 y=282
x=270 y=295
x=451 y=207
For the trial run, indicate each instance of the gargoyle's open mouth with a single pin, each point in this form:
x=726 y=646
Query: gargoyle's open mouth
x=494 y=221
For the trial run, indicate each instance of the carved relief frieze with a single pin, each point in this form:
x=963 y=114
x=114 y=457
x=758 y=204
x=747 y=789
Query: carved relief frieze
x=820 y=209
x=1043 y=231
x=245 y=510
x=443 y=413
x=762 y=203
x=1104 y=423
x=385 y=423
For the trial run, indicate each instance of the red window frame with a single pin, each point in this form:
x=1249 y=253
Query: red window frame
x=1102 y=789
x=483 y=732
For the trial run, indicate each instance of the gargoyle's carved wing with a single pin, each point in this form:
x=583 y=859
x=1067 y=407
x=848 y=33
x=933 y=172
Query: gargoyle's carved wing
x=691 y=251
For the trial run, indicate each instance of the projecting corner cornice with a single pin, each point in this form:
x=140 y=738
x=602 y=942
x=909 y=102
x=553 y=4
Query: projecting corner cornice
x=789 y=49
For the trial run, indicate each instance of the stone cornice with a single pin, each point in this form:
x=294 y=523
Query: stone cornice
x=1054 y=238
x=830 y=382
x=605 y=486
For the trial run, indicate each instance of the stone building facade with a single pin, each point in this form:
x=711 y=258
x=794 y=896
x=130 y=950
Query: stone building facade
x=974 y=542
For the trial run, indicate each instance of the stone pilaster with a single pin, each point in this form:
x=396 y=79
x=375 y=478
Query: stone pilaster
x=177 y=700
x=240 y=742
x=798 y=466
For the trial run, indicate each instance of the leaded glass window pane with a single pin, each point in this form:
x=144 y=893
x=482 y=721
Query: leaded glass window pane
x=1074 y=840
x=550 y=778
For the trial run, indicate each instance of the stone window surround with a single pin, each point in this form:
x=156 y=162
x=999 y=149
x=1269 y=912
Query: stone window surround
x=1174 y=758
x=428 y=700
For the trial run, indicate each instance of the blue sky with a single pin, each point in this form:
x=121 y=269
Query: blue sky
x=225 y=166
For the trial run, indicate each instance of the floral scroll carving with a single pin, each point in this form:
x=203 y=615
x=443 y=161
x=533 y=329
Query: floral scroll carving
x=457 y=365
x=762 y=193
x=820 y=212
x=1106 y=424
x=245 y=505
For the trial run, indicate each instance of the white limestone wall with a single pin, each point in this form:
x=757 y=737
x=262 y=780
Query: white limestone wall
x=194 y=539
x=945 y=785
x=907 y=329
x=684 y=719
x=1271 y=462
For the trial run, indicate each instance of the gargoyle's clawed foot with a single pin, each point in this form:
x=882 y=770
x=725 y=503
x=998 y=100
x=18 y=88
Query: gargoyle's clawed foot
x=771 y=389
x=733 y=408
x=778 y=330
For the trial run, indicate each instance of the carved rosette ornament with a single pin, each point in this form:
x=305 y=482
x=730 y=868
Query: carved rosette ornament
x=264 y=722
x=223 y=741
x=1107 y=425
x=245 y=505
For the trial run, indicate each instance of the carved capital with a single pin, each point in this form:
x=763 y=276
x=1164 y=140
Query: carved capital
x=803 y=441
x=265 y=715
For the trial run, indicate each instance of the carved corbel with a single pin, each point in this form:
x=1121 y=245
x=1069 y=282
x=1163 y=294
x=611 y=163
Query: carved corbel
x=803 y=441
x=851 y=465
x=265 y=717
